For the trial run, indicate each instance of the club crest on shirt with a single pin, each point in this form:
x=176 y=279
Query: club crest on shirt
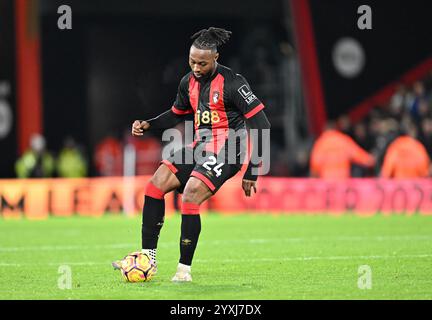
x=215 y=97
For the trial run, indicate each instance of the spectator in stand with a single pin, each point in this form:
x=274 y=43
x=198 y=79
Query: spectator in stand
x=109 y=157
x=36 y=162
x=384 y=131
x=426 y=135
x=364 y=140
x=344 y=124
x=406 y=157
x=71 y=162
x=147 y=154
x=361 y=136
x=398 y=104
x=300 y=168
x=419 y=107
x=334 y=152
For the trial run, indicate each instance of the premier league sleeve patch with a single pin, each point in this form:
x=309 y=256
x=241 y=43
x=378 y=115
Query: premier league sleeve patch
x=247 y=94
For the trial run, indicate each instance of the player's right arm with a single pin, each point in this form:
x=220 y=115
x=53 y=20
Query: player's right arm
x=138 y=127
x=171 y=117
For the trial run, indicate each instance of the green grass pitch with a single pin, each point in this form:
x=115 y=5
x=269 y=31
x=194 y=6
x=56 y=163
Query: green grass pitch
x=245 y=257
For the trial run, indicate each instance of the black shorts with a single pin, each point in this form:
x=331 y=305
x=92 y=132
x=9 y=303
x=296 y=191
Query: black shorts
x=212 y=169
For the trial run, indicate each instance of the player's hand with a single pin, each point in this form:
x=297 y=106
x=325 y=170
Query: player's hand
x=247 y=186
x=138 y=127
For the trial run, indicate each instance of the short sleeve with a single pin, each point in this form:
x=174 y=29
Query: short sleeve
x=182 y=104
x=243 y=97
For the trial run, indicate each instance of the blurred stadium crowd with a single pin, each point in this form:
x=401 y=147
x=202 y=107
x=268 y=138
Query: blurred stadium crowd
x=125 y=79
x=393 y=140
x=379 y=143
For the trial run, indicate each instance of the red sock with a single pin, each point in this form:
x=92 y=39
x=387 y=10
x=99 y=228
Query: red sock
x=190 y=208
x=154 y=192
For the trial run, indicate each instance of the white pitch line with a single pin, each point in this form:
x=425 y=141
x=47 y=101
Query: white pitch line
x=54 y=264
x=415 y=256
x=215 y=242
x=67 y=247
x=285 y=259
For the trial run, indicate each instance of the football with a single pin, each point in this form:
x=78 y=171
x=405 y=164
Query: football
x=138 y=267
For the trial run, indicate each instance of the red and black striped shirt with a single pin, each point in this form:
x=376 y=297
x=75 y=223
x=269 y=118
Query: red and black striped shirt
x=219 y=103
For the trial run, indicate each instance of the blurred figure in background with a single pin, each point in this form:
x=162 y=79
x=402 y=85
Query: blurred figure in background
x=406 y=157
x=388 y=131
x=361 y=136
x=426 y=135
x=344 y=124
x=300 y=168
x=363 y=139
x=148 y=153
x=334 y=152
x=71 y=162
x=419 y=106
x=398 y=104
x=36 y=162
x=382 y=130
x=109 y=157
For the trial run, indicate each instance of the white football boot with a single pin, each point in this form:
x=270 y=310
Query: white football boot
x=183 y=274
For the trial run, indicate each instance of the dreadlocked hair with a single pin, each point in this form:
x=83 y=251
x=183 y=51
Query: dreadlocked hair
x=211 y=38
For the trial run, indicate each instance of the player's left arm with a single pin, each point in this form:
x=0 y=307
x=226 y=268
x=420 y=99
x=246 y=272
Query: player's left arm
x=259 y=128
